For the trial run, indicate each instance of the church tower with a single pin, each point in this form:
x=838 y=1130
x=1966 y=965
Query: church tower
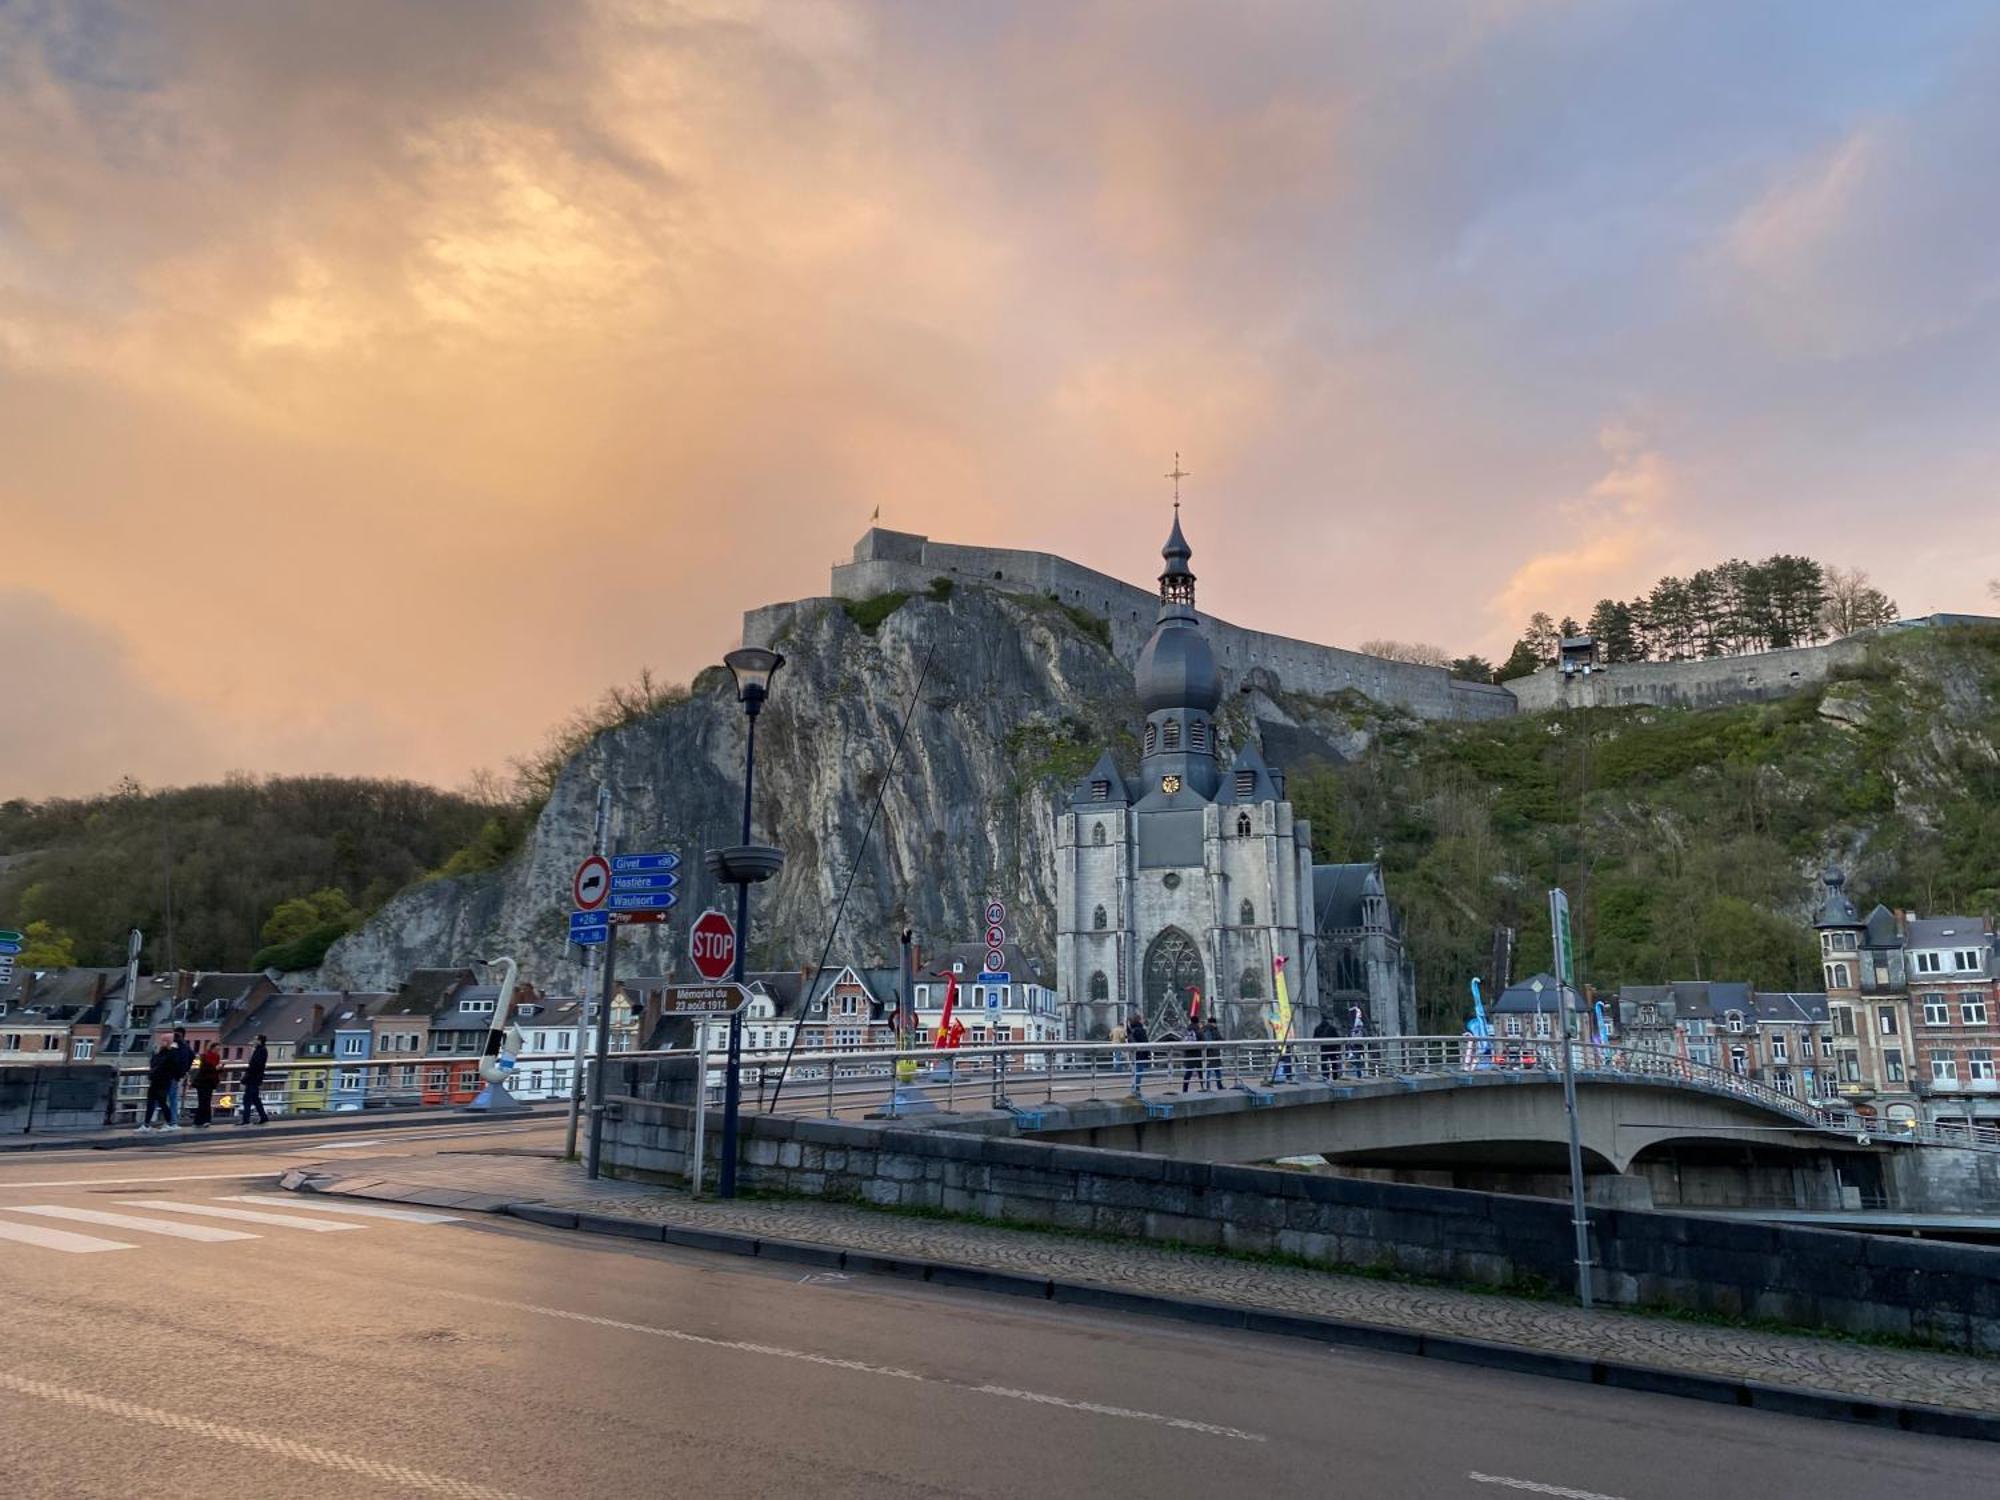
x=1180 y=689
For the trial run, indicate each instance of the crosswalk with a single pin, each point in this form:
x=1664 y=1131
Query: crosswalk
x=210 y=1221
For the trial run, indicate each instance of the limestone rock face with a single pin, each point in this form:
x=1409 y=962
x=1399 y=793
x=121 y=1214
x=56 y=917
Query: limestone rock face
x=1017 y=700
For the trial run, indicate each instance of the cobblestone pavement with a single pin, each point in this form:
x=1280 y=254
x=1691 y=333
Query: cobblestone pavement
x=1821 y=1364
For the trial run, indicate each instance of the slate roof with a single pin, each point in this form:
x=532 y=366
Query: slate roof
x=1337 y=893
x=431 y=987
x=1022 y=966
x=1786 y=1005
x=1521 y=997
x=1946 y=932
x=1692 y=999
x=285 y=1018
x=1882 y=931
x=1835 y=909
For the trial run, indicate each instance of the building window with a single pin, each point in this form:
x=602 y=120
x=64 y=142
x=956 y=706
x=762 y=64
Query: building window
x=1778 y=1051
x=1843 y=1020
x=1739 y=1061
x=1839 y=942
x=1839 y=977
x=1944 y=1068
x=434 y=1080
x=1170 y=738
x=350 y=1079
x=1937 y=1012
x=1850 y=1067
x=1100 y=791
x=1243 y=825
x=1929 y=963
x=1247 y=915
x=1825 y=1045
x=1099 y=920
x=1885 y=1020
x=1152 y=738
x=1979 y=1063
x=353 y=1046
x=1966 y=960
x=1972 y=1012
x=83 y=1049
x=1735 y=1020
x=1250 y=986
x=1100 y=987
x=1097 y=835
x=1892 y=1064
x=1785 y=1084
x=1198 y=735
x=1512 y=1025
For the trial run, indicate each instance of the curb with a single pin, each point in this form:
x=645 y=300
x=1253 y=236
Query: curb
x=1796 y=1401
x=131 y=1140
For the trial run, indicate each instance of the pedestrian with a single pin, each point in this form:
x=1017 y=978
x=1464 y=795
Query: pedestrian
x=253 y=1081
x=1191 y=1055
x=1136 y=1033
x=207 y=1074
x=159 y=1086
x=1329 y=1055
x=1212 y=1034
x=183 y=1065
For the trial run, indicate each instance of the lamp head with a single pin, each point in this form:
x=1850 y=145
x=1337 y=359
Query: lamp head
x=753 y=668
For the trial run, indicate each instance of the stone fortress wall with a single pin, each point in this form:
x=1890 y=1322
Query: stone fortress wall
x=890 y=561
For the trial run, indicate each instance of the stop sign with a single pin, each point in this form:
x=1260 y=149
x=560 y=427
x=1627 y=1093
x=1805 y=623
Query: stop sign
x=712 y=945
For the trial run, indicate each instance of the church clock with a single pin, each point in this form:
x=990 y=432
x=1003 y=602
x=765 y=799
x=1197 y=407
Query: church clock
x=1170 y=784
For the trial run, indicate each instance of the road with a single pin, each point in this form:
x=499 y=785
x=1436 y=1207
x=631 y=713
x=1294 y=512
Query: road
x=486 y=1358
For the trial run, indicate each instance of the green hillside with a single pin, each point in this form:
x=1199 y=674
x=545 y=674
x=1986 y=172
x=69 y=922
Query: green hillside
x=270 y=869
x=1688 y=839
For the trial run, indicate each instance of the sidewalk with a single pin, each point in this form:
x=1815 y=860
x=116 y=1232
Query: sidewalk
x=1877 y=1384
x=229 y=1131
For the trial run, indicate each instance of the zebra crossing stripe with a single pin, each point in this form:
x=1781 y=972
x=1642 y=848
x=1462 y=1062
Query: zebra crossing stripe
x=207 y=1233
x=59 y=1239
x=364 y=1210
x=246 y=1215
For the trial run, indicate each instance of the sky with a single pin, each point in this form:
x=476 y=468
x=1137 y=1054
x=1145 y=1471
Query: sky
x=379 y=381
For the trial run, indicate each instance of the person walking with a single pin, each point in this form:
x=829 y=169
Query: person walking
x=1212 y=1034
x=253 y=1081
x=183 y=1065
x=1329 y=1055
x=1191 y=1055
x=159 y=1086
x=207 y=1074
x=1136 y=1033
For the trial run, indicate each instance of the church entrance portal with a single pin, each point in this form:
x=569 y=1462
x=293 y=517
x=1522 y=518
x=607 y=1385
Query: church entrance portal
x=1173 y=973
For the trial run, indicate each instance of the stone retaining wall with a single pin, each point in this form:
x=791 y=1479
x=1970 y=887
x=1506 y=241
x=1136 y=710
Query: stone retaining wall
x=1949 y=1294
x=54 y=1096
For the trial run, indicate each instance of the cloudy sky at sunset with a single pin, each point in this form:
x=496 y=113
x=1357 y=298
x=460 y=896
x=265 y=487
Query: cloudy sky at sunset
x=379 y=380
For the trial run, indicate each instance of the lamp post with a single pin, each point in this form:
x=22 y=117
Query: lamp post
x=753 y=668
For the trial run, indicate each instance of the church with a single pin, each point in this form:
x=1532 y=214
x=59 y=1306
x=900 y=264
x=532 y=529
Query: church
x=1191 y=877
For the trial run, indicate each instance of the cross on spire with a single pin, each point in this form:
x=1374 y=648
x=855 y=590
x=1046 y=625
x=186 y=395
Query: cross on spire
x=1177 y=476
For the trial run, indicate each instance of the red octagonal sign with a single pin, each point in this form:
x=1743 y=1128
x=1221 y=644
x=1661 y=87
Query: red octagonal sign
x=712 y=945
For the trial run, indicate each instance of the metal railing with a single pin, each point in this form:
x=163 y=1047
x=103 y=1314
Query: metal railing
x=333 y=1086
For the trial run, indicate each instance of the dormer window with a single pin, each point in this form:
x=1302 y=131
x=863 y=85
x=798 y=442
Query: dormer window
x=1735 y=1019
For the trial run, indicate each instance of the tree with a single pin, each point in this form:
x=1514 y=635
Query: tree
x=1471 y=669
x=1522 y=663
x=1852 y=604
x=1542 y=637
x=291 y=920
x=1673 y=631
x=1611 y=624
x=44 y=946
x=1993 y=587
x=1421 y=652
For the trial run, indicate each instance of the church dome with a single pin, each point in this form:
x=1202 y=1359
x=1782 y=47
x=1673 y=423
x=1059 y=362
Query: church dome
x=1177 y=670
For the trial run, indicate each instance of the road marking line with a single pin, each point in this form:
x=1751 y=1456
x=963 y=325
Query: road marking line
x=9 y=1187
x=890 y=1372
x=278 y=1447
x=246 y=1215
x=365 y=1210
x=207 y=1233
x=59 y=1239
x=1536 y=1488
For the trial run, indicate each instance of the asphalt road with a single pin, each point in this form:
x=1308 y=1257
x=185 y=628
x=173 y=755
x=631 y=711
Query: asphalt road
x=482 y=1358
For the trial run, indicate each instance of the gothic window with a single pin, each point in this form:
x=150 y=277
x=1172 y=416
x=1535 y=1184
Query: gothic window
x=1248 y=915
x=1173 y=972
x=1100 y=987
x=1347 y=970
x=1250 y=986
x=1243 y=825
x=1097 y=833
x=1098 y=920
x=1152 y=738
x=1172 y=737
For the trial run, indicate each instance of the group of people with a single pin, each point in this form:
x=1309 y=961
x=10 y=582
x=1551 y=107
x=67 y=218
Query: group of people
x=175 y=1062
x=1199 y=1065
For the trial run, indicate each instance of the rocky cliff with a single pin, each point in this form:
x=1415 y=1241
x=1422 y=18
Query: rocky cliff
x=1019 y=695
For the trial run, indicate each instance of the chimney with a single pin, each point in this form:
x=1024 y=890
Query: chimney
x=318 y=1019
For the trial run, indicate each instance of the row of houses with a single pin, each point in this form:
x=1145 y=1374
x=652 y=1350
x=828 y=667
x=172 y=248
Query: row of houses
x=345 y=1050
x=1907 y=1028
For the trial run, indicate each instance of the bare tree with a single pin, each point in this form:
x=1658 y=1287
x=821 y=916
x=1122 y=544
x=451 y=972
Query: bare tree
x=1421 y=652
x=1993 y=587
x=1852 y=603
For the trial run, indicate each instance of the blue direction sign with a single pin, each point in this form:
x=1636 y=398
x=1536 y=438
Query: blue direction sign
x=587 y=927
x=652 y=880
x=643 y=900
x=633 y=864
x=10 y=948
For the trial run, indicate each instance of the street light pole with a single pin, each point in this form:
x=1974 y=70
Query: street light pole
x=1561 y=940
x=753 y=668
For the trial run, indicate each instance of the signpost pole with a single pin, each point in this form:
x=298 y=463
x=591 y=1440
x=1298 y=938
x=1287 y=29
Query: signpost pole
x=603 y=1052
x=1561 y=937
x=603 y=832
x=732 y=1080
x=697 y=1164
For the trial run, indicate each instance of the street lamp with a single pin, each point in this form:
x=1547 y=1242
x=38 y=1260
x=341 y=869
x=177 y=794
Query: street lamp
x=753 y=667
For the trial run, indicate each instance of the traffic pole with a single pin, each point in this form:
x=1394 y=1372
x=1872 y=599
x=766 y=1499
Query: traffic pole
x=603 y=1050
x=598 y=842
x=732 y=1078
